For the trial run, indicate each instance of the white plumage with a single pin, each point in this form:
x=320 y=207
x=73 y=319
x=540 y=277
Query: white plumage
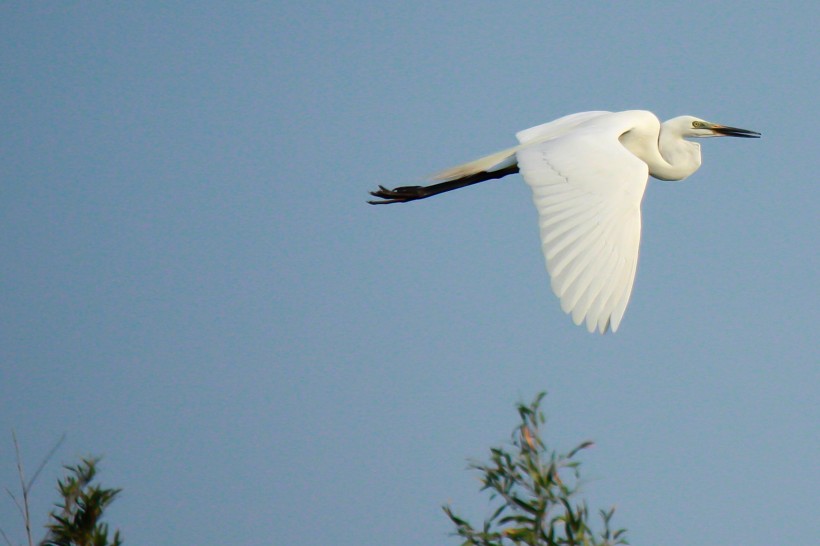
x=588 y=172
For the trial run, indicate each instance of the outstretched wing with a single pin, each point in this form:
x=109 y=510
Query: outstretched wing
x=588 y=188
x=507 y=158
x=557 y=127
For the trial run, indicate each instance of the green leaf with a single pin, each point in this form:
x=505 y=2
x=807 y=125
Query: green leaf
x=531 y=500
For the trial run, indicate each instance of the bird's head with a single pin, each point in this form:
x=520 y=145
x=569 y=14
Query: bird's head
x=690 y=126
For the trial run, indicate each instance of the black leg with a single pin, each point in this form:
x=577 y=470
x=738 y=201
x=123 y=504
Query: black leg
x=404 y=194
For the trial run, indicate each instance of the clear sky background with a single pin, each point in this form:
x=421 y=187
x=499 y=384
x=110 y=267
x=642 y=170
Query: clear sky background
x=192 y=285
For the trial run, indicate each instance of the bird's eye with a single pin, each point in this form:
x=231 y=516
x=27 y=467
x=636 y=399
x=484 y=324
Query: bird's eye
x=697 y=124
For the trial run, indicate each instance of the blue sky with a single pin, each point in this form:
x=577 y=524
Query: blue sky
x=193 y=286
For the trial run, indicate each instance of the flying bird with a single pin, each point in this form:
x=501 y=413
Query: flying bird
x=588 y=172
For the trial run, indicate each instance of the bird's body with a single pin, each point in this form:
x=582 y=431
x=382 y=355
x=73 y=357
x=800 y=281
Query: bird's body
x=588 y=172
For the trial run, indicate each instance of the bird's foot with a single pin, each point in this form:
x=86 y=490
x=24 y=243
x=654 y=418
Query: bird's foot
x=398 y=195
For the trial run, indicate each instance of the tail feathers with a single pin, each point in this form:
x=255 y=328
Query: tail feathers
x=491 y=163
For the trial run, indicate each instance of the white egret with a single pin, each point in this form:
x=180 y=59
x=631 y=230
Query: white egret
x=588 y=172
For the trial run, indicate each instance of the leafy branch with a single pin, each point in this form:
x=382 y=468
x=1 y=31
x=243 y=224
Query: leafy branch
x=77 y=522
x=534 y=490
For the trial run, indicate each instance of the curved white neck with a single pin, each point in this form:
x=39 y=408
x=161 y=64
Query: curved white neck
x=668 y=155
x=680 y=157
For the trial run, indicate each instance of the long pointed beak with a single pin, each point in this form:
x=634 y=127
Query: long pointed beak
x=722 y=130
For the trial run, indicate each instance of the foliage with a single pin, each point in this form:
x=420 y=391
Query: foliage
x=534 y=490
x=78 y=520
x=77 y=523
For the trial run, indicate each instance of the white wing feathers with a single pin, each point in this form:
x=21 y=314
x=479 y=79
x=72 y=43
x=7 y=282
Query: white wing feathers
x=490 y=163
x=556 y=127
x=587 y=188
x=506 y=158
